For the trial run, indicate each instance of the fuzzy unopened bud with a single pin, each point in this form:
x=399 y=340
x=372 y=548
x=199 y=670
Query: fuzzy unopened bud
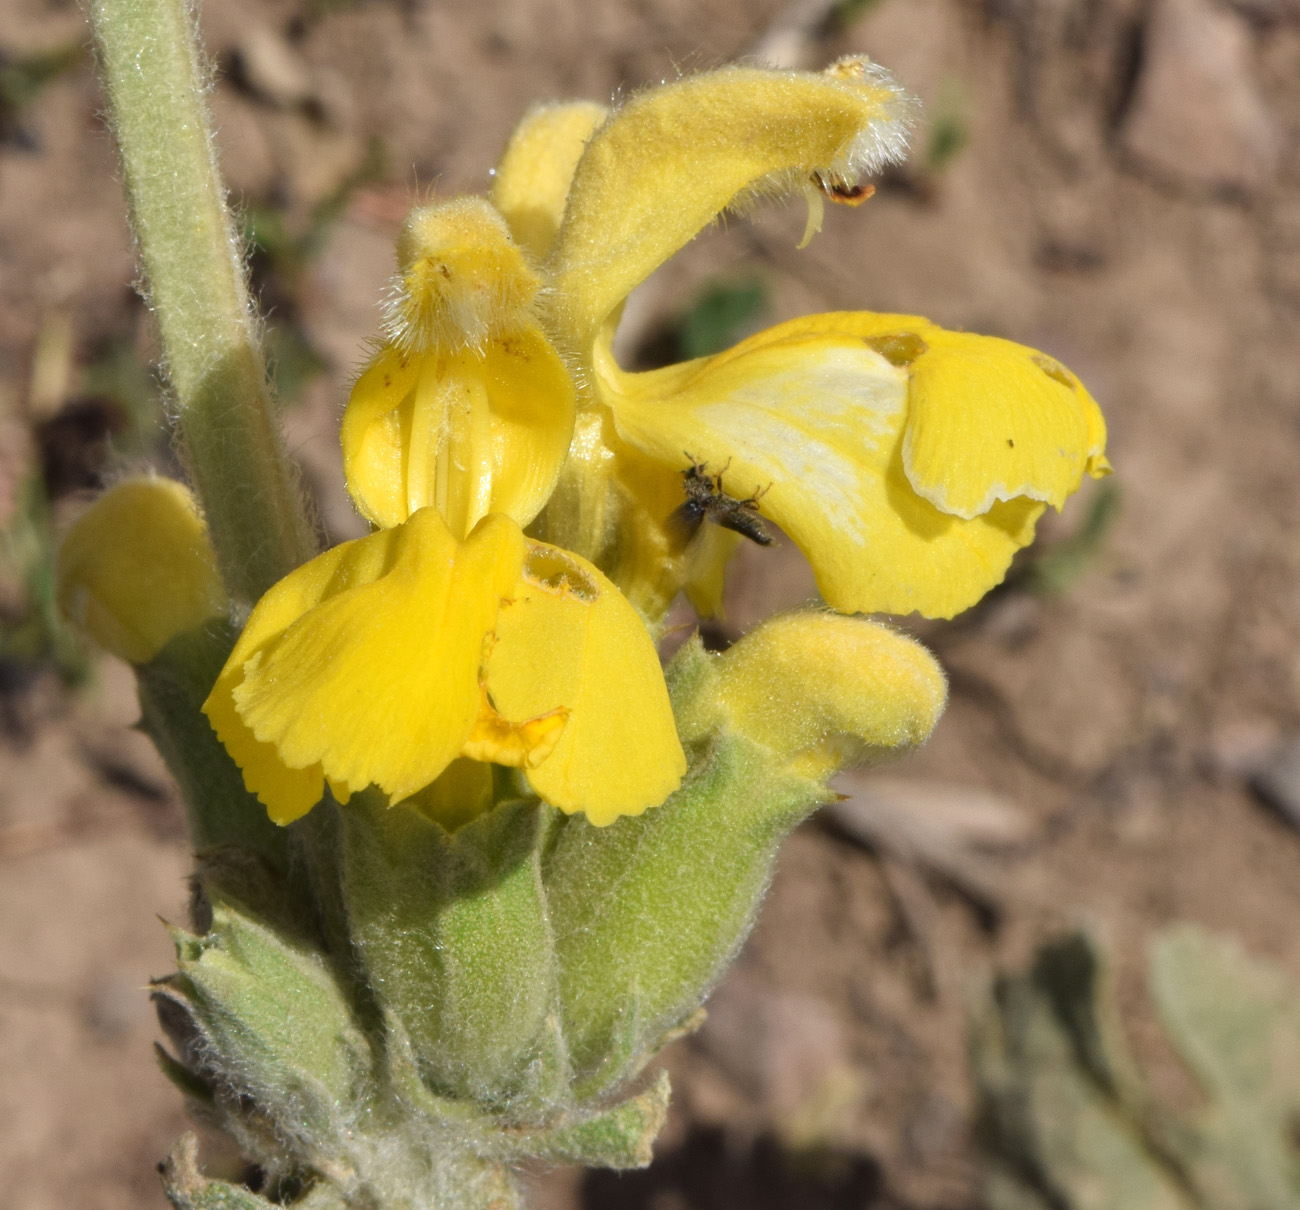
x=462 y=279
x=826 y=691
x=137 y=569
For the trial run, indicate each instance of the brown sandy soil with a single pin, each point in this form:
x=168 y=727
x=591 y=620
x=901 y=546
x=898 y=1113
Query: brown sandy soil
x=1128 y=200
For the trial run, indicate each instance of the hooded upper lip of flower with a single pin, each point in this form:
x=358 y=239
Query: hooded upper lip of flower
x=909 y=463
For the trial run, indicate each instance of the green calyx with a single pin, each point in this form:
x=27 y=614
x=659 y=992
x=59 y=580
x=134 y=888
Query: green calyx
x=261 y=1021
x=452 y=932
x=377 y=986
x=648 y=913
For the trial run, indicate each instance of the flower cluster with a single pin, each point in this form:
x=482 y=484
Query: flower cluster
x=523 y=486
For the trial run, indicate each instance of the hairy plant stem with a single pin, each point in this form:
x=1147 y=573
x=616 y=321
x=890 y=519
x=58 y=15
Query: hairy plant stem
x=155 y=77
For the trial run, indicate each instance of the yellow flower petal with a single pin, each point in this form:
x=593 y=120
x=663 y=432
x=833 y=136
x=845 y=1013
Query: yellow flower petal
x=567 y=638
x=673 y=158
x=287 y=794
x=812 y=416
x=137 y=569
x=988 y=420
x=376 y=425
x=340 y=789
x=531 y=183
x=365 y=660
x=706 y=569
x=467 y=433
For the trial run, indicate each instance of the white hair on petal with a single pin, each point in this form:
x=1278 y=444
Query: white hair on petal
x=885 y=141
x=882 y=141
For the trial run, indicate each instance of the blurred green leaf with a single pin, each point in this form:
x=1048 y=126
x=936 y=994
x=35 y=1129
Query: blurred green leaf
x=949 y=128
x=120 y=374
x=1059 y=1115
x=293 y=360
x=1236 y=1021
x=719 y=317
x=32 y=630
x=847 y=12
x=1066 y=1122
x=1051 y=570
x=23 y=78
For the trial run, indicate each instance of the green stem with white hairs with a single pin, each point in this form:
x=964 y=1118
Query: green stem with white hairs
x=155 y=78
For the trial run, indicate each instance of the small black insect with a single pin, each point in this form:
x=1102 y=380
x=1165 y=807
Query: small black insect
x=706 y=500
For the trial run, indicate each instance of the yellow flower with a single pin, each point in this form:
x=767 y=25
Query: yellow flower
x=136 y=569
x=470 y=403
x=385 y=659
x=907 y=462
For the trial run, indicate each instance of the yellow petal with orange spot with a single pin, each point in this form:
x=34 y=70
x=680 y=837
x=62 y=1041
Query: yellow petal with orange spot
x=566 y=637
x=988 y=419
x=518 y=745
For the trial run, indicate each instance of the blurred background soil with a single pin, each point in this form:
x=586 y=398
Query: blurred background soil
x=1116 y=182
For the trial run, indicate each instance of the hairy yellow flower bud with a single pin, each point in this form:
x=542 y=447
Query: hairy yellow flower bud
x=137 y=569
x=462 y=279
x=827 y=691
